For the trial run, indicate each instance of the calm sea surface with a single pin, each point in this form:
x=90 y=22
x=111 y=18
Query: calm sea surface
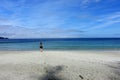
x=61 y=44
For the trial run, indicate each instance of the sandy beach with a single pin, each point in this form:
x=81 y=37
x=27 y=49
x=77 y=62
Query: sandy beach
x=60 y=65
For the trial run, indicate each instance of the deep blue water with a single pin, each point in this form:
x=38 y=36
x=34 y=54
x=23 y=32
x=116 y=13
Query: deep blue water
x=61 y=44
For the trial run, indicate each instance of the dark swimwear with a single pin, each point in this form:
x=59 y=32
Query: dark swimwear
x=41 y=47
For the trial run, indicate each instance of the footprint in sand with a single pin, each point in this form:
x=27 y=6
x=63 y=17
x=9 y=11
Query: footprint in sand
x=81 y=77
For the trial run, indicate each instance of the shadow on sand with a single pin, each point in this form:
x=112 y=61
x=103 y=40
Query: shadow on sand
x=116 y=71
x=51 y=73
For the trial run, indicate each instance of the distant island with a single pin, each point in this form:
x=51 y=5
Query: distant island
x=3 y=38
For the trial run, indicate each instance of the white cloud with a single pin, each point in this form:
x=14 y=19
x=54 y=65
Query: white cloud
x=114 y=16
x=85 y=3
x=106 y=21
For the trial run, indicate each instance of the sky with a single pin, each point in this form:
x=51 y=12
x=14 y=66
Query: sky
x=59 y=18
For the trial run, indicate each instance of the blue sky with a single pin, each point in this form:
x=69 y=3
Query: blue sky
x=59 y=18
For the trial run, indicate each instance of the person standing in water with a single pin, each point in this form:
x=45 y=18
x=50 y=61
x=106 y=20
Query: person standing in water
x=41 y=47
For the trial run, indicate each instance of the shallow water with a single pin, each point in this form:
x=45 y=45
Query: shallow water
x=61 y=44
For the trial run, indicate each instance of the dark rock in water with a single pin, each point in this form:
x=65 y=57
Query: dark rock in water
x=3 y=38
x=81 y=77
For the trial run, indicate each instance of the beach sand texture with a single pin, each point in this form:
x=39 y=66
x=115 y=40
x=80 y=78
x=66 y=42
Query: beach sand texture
x=60 y=65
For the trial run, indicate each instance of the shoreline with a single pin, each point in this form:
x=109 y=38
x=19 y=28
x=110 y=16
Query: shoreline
x=97 y=50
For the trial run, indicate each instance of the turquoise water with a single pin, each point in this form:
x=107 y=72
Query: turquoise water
x=61 y=44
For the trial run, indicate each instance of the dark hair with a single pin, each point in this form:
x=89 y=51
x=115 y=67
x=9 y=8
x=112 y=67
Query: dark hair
x=40 y=42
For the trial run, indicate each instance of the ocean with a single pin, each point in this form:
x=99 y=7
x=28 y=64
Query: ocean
x=61 y=44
